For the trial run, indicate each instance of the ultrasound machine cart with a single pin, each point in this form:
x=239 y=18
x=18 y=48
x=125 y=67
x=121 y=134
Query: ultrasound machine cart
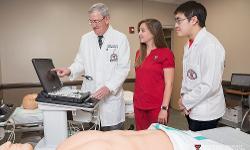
x=55 y=107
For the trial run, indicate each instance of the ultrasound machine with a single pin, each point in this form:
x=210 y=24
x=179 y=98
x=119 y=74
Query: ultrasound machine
x=55 y=100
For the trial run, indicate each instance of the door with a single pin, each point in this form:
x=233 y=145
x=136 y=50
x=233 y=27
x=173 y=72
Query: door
x=177 y=47
x=176 y=44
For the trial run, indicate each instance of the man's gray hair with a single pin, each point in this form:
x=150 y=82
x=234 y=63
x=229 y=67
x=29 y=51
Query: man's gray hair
x=100 y=7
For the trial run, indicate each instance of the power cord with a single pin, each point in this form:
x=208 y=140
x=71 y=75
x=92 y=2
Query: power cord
x=74 y=126
x=2 y=133
x=11 y=131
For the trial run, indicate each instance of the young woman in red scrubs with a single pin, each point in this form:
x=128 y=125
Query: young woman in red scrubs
x=154 y=68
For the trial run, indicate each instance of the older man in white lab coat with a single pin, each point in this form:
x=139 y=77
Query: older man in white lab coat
x=103 y=57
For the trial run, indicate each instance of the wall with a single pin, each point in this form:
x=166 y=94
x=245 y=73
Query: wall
x=1 y=92
x=160 y=11
x=15 y=96
x=229 y=21
x=53 y=29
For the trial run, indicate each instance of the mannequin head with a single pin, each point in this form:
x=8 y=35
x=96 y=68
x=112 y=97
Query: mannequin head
x=29 y=101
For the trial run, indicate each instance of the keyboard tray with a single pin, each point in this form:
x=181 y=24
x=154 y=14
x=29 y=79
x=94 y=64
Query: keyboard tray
x=86 y=103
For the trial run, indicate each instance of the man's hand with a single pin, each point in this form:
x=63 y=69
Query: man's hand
x=101 y=93
x=183 y=108
x=62 y=72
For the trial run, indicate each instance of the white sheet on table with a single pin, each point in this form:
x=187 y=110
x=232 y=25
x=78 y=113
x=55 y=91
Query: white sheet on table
x=235 y=138
x=24 y=116
x=187 y=140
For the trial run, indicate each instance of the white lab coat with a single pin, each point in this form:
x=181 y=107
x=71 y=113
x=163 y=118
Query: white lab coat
x=107 y=66
x=203 y=65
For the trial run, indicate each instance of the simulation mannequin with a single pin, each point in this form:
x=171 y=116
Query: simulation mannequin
x=29 y=101
x=9 y=146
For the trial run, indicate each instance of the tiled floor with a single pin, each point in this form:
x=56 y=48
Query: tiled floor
x=177 y=120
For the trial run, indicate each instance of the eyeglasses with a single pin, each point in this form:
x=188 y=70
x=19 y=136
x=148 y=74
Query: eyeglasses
x=95 y=21
x=179 y=21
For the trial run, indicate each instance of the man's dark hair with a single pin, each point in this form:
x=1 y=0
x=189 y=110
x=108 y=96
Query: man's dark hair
x=192 y=8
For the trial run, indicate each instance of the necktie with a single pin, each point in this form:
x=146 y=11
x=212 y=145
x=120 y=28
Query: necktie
x=100 y=41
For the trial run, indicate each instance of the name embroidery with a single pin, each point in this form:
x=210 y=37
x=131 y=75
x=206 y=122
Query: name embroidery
x=111 y=46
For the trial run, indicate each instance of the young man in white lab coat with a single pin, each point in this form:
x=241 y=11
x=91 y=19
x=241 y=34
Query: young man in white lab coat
x=202 y=97
x=103 y=58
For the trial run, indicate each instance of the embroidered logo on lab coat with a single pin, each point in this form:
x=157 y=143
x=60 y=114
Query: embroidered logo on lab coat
x=192 y=75
x=113 y=57
x=155 y=57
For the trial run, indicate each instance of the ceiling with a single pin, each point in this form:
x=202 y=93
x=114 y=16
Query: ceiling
x=171 y=1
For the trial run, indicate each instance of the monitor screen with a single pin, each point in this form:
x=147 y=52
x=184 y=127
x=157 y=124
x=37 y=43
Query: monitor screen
x=240 y=79
x=48 y=79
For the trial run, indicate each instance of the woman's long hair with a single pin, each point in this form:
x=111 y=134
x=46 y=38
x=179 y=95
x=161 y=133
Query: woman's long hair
x=155 y=28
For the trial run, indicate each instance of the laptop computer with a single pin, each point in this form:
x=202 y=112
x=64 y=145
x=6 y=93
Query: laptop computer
x=240 y=81
x=53 y=89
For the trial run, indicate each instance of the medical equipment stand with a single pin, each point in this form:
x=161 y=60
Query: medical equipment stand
x=242 y=94
x=55 y=124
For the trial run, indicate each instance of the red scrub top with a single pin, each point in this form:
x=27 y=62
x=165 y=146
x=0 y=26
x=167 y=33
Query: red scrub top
x=149 y=82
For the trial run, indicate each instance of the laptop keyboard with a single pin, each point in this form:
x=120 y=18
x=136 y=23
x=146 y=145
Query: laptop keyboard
x=69 y=95
x=238 y=88
x=84 y=101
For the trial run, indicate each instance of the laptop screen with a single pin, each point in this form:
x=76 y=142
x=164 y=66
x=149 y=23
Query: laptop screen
x=238 y=79
x=48 y=79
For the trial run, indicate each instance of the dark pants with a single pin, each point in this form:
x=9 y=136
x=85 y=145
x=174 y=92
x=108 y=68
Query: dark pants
x=119 y=126
x=196 y=125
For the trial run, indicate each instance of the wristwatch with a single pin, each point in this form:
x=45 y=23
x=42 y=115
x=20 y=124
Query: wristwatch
x=164 y=107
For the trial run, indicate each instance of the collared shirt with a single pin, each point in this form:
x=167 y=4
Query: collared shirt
x=203 y=65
